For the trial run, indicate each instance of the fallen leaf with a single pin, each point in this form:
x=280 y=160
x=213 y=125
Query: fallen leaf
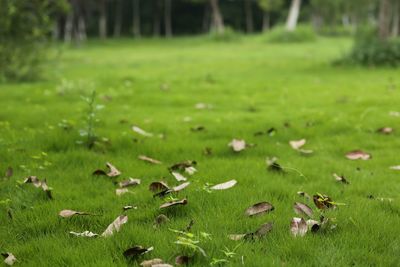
x=181 y=166
x=70 y=213
x=112 y=171
x=136 y=251
x=150 y=263
x=141 y=131
x=39 y=184
x=179 y=177
x=148 y=159
x=396 y=168
x=9 y=172
x=237 y=145
x=115 y=225
x=385 y=130
x=158 y=186
x=198 y=128
x=237 y=237
x=180 y=187
x=271 y=132
x=84 y=234
x=323 y=201
x=173 y=203
x=358 y=154
x=160 y=220
x=260 y=232
x=313 y=225
x=190 y=170
x=121 y=191
x=129 y=182
x=298 y=227
x=9 y=258
x=259 y=208
x=340 y=179
x=224 y=186
x=129 y=207
x=182 y=260
x=273 y=165
x=298 y=144
x=302 y=209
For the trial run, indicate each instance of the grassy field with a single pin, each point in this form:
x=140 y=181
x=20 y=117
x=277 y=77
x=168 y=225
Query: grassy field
x=248 y=86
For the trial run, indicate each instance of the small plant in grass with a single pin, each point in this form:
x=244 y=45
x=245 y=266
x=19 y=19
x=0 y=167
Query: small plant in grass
x=229 y=255
x=88 y=132
x=190 y=242
x=280 y=34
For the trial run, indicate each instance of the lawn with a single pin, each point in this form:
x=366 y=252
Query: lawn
x=247 y=86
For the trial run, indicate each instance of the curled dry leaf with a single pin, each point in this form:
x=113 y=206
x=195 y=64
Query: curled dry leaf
x=190 y=170
x=237 y=145
x=298 y=227
x=358 y=154
x=70 y=213
x=182 y=260
x=304 y=194
x=180 y=187
x=323 y=201
x=136 y=251
x=160 y=220
x=173 y=203
x=84 y=234
x=112 y=171
x=148 y=159
x=121 y=191
x=298 y=144
x=224 y=186
x=273 y=165
x=385 y=130
x=129 y=182
x=302 y=209
x=129 y=207
x=141 y=131
x=179 y=177
x=150 y=263
x=115 y=225
x=260 y=232
x=175 y=189
x=259 y=208
x=158 y=186
x=9 y=172
x=181 y=166
x=9 y=258
x=340 y=179
x=39 y=184
x=313 y=225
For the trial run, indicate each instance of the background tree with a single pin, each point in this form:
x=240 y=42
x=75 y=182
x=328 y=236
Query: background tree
x=267 y=7
x=217 y=20
x=136 y=25
x=293 y=16
x=248 y=11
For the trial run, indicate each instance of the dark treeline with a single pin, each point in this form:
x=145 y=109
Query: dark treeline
x=114 y=18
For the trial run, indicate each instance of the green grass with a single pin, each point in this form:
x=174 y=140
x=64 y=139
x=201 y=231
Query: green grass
x=252 y=86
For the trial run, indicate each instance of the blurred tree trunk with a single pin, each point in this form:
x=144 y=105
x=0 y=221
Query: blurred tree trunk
x=206 y=17
x=136 y=18
x=118 y=18
x=167 y=18
x=217 y=20
x=384 y=19
x=156 y=18
x=103 y=19
x=266 y=22
x=293 y=16
x=396 y=19
x=249 y=15
x=81 y=27
x=69 y=23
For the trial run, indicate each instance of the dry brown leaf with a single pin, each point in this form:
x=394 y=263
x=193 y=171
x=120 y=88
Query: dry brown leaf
x=148 y=159
x=70 y=213
x=158 y=186
x=141 y=131
x=358 y=154
x=385 y=130
x=259 y=208
x=151 y=263
x=323 y=201
x=298 y=144
x=136 y=251
x=260 y=232
x=237 y=145
x=84 y=234
x=302 y=209
x=129 y=207
x=160 y=220
x=173 y=203
x=181 y=166
x=9 y=172
x=272 y=164
x=340 y=179
x=112 y=171
x=115 y=225
x=129 y=182
x=190 y=170
x=224 y=186
x=39 y=184
x=182 y=260
x=9 y=258
x=180 y=187
x=121 y=191
x=179 y=177
x=298 y=227
x=237 y=237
